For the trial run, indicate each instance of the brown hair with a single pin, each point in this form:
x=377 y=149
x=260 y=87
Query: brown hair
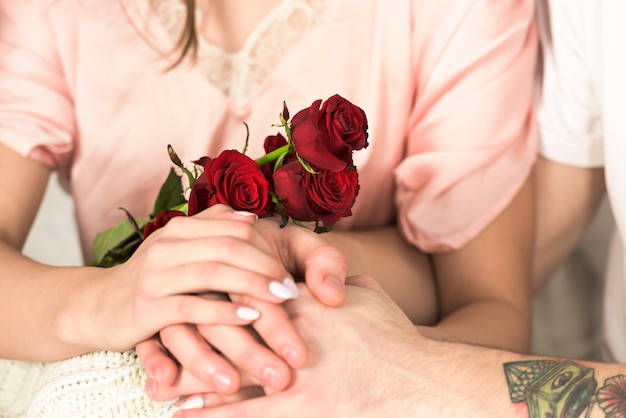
x=188 y=41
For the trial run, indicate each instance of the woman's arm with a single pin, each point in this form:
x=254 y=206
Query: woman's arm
x=484 y=287
x=465 y=190
x=50 y=313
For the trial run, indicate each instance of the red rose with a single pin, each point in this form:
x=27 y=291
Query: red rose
x=346 y=121
x=325 y=196
x=201 y=192
x=231 y=179
x=160 y=221
x=326 y=137
x=288 y=186
x=273 y=142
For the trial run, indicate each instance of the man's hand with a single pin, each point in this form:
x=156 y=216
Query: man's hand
x=357 y=364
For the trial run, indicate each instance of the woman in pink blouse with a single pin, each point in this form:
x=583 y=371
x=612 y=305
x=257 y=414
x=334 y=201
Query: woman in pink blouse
x=98 y=89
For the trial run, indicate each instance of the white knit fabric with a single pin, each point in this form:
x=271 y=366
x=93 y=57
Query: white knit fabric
x=100 y=384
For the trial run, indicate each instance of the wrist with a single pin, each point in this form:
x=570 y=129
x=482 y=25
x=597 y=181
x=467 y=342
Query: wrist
x=452 y=379
x=76 y=322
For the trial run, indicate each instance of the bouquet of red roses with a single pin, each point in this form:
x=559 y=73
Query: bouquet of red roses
x=306 y=175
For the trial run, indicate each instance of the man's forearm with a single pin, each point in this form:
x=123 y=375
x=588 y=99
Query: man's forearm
x=487 y=383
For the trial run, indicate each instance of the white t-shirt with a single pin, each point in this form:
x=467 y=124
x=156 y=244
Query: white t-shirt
x=582 y=117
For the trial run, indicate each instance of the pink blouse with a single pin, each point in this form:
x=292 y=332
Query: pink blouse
x=447 y=86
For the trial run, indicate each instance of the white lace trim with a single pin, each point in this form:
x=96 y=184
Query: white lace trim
x=239 y=75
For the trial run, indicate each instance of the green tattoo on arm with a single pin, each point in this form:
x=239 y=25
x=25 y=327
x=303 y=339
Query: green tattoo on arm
x=565 y=389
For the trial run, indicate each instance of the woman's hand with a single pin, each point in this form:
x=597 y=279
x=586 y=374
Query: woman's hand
x=163 y=282
x=306 y=256
x=186 y=355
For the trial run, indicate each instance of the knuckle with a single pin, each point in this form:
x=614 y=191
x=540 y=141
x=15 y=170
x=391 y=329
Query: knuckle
x=247 y=356
x=210 y=269
x=244 y=231
x=175 y=223
x=275 y=331
x=229 y=246
x=168 y=334
x=185 y=307
x=330 y=254
x=157 y=250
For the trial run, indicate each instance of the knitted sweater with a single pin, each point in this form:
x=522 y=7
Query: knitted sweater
x=100 y=384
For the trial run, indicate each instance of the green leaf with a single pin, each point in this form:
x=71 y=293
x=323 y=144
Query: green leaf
x=171 y=193
x=113 y=237
x=121 y=252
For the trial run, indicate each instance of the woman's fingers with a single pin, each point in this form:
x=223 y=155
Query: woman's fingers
x=223 y=276
x=199 y=363
x=203 y=370
x=219 y=211
x=188 y=385
x=276 y=330
x=209 y=400
x=197 y=368
x=248 y=354
x=195 y=309
x=307 y=255
x=157 y=361
x=169 y=252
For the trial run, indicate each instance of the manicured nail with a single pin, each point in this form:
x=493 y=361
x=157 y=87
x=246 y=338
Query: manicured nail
x=222 y=381
x=248 y=314
x=334 y=282
x=291 y=355
x=151 y=388
x=288 y=282
x=244 y=213
x=271 y=375
x=193 y=403
x=171 y=401
x=281 y=291
x=158 y=374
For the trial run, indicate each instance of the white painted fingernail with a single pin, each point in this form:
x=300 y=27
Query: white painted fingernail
x=171 y=401
x=281 y=291
x=193 y=403
x=248 y=314
x=288 y=282
x=244 y=213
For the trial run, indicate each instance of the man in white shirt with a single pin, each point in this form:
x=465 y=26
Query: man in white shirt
x=582 y=118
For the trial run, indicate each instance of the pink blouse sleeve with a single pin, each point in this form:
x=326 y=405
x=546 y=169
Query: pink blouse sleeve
x=36 y=110
x=472 y=135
